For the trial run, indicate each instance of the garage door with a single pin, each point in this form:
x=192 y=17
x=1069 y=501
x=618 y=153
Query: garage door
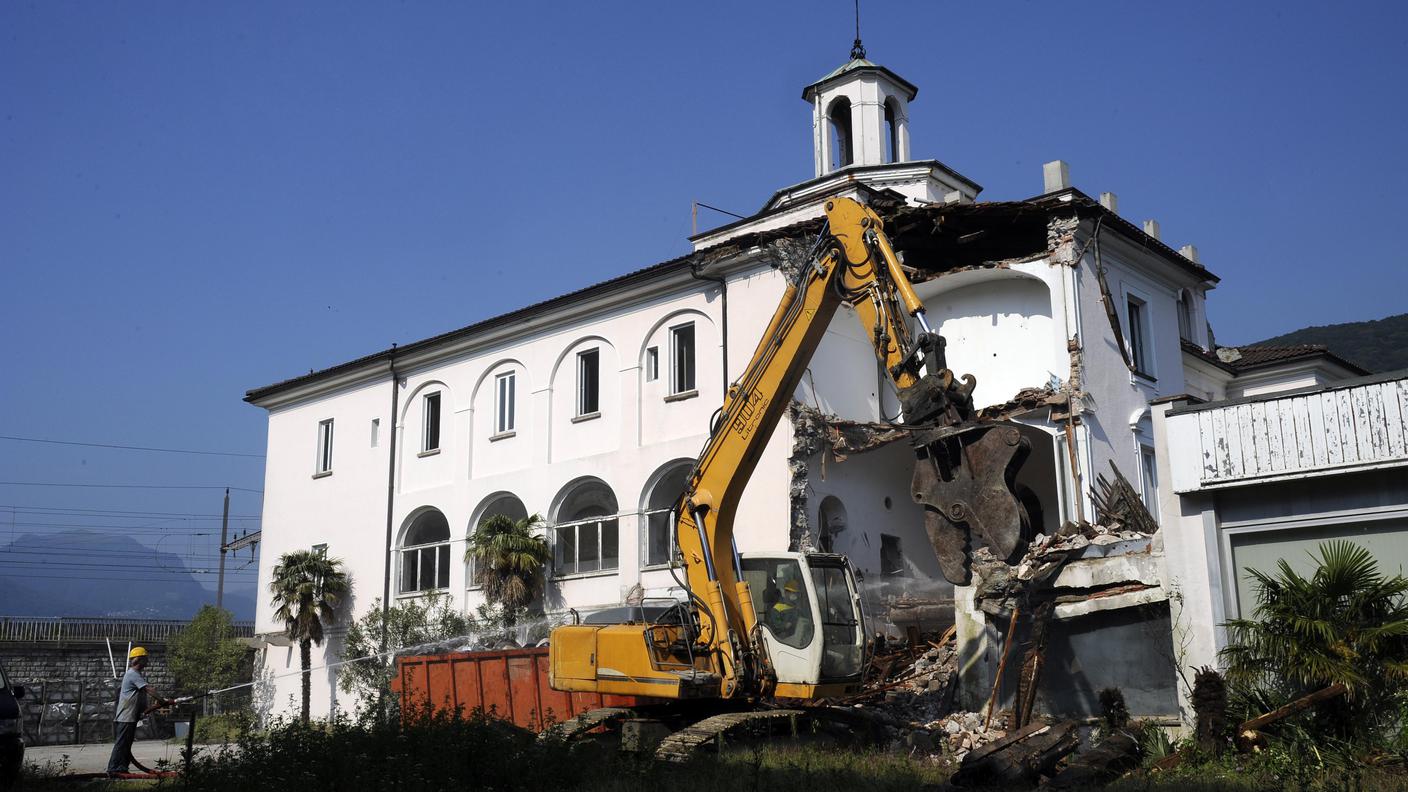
x=1261 y=550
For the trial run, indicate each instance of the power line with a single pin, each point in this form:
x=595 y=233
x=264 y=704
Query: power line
x=163 y=529
x=116 y=564
x=129 y=448
x=81 y=577
x=128 y=486
x=113 y=512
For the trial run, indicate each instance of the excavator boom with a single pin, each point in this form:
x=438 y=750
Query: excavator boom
x=963 y=478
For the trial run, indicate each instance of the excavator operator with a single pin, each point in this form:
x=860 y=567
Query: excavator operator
x=783 y=616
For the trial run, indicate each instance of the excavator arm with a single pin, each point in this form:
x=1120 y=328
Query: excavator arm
x=963 y=474
x=853 y=264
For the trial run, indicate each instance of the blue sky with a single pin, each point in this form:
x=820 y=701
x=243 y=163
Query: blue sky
x=197 y=199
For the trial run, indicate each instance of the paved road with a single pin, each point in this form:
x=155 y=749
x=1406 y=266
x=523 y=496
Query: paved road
x=93 y=757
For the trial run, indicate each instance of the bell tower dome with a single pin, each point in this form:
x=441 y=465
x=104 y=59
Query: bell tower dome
x=860 y=115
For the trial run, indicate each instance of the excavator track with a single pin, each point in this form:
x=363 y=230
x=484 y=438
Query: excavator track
x=686 y=743
x=586 y=722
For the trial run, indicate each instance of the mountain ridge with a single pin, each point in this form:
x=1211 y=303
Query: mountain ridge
x=103 y=575
x=1375 y=344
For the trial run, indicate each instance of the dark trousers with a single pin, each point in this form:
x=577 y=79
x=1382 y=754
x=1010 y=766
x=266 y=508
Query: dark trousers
x=123 y=735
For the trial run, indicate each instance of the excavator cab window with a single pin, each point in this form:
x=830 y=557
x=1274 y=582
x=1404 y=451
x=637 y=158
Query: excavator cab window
x=840 y=629
x=782 y=609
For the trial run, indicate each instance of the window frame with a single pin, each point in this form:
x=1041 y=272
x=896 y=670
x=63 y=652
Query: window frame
x=1137 y=334
x=1149 y=476
x=671 y=538
x=686 y=363
x=505 y=408
x=652 y=363
x=431 y=414
x=1184 y=309
x=558 y=569
x=323 y=464
x=588 y=398
x=418 y=552
x=839 y=134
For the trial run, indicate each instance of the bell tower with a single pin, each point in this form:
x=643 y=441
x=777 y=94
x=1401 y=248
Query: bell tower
x=860 y=115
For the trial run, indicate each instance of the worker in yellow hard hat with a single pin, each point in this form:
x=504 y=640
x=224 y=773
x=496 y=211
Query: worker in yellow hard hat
x=131 y=708
x=782 y=617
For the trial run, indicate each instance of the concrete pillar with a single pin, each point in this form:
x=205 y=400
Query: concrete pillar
x=975 y=646
x=1189 y=252
x=1151 y=227
x=1056 y=176
x=1110 y=201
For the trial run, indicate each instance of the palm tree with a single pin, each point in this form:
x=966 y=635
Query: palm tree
x=509 y=556
x=307 y=587
x=1346 y=623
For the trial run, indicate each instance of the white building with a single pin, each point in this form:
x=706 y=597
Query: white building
x=1268 y=476
x=588 y=408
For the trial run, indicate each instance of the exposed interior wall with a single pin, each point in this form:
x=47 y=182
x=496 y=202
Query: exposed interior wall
x=998 y=325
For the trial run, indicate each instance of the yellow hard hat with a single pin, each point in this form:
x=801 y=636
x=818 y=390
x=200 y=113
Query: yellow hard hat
x=793 y=586
x=136 y=652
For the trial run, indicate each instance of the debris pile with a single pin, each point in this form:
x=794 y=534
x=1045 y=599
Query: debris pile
x=963 y=732
x=910 y=690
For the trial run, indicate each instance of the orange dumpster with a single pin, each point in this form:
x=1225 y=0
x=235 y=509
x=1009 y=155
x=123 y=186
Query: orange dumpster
x=511 y=684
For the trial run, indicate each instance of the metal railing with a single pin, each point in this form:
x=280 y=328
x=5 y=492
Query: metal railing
x=60 y=629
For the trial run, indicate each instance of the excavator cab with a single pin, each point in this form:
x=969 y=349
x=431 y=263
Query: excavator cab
x=807 y=607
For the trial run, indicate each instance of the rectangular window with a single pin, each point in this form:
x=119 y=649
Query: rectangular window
x=891 y=558
x=659 y=537
x=1185 y=318
x=376 y=432
x=586 y=546
x=325 y=446
x=431 y=417
x=425 y=568
x=588 y=382
x=504 y=387
x=682 y=358
x=652 y=364
x=1149 y=473
x=1136 y=312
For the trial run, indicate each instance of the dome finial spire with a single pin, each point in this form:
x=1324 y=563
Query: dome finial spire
x=857 y=49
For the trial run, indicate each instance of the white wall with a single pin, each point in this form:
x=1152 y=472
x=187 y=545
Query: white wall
x=1000 y=326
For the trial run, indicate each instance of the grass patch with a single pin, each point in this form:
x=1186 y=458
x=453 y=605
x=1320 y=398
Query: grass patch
x=444 y=753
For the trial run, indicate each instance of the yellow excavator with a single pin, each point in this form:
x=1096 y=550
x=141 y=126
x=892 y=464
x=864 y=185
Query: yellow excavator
x=763 y=627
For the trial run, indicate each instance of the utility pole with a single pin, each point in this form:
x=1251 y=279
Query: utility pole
x=224 y=538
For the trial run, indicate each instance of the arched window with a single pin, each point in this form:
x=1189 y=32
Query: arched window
x=586 y=531
x=660 y=504
x=831 y=521
x=840 y=123
x=425 y=554
x=892 y=133
x=503 y=503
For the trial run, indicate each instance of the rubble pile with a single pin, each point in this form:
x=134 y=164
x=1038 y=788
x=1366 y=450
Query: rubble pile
x=962 y=732
x=910 y=690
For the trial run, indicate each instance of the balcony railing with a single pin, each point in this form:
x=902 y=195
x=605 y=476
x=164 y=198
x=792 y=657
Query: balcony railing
x=1360 y=424
x=63 y=629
